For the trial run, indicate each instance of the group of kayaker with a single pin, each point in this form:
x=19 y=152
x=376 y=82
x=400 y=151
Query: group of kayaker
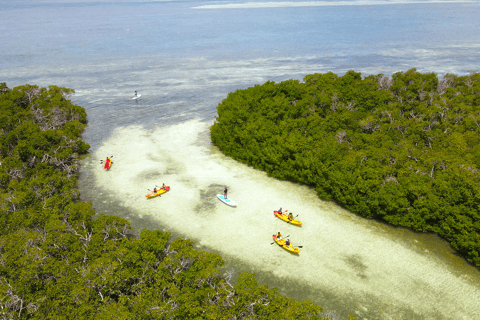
x=290 y=215
x=155 y=190
x=290 y=218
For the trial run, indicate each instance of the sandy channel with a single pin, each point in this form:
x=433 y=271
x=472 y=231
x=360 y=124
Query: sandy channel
x=342 y=253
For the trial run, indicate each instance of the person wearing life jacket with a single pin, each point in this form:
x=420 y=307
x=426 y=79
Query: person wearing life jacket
x=280 y=211
x=163 y=186
x=155 y=190
x=290 y=217
x=287 y=243
x=279 y=235
x=107 y=163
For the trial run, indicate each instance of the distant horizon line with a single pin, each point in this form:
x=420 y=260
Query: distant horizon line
x=281 y=4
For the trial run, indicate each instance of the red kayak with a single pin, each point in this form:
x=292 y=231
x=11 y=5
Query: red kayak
x=108 y=164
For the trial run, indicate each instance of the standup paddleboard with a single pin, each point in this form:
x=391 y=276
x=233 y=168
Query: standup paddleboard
x=137 y=96
x=226 y=201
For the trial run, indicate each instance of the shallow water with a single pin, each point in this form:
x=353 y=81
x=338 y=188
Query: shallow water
x=184 y=57
x=347 y=263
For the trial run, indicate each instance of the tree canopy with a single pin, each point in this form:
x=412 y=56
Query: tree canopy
x=404 y=150
x=61 y=260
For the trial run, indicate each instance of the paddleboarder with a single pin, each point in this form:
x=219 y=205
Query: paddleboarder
x=225 y=191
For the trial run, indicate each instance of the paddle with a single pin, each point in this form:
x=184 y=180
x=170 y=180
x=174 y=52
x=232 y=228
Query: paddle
x=101 y=161
x=283 y=237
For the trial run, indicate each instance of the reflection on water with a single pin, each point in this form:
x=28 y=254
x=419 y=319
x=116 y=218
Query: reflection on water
x=347 y=263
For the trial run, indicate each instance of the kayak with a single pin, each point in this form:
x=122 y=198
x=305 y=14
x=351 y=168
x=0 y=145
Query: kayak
x=284 y=217
x=107 y=165
x=282 y=244
x=159 y=192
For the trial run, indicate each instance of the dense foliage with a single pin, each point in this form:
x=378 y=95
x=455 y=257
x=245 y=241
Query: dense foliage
x=405 y=149
x=60 y=261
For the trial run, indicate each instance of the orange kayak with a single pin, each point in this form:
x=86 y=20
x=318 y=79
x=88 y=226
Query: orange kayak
x=284 y=217
x=159 y=192
x=282 y=244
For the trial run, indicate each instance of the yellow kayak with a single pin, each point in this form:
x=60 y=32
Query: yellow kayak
x=284 y=217
x=282 y=244
x=159 y=192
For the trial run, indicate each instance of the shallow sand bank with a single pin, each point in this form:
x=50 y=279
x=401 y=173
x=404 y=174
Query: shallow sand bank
x=368 y=265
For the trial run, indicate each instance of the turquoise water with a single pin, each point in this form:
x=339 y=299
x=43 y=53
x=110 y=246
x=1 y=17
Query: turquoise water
x=184 y=57
x=187 y=56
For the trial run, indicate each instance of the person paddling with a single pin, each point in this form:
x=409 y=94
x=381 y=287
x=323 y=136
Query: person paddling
x=279 y=235
x=155 y=190
x=290 y=217
x=225 y=191
x=107 y=163
x=280 y=211
x=135 y=93
x=287 y=243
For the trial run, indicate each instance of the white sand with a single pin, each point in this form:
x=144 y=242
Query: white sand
x=342 y=252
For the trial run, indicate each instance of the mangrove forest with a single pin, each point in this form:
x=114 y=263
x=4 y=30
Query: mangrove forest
x=59 y=259
x=403 y=149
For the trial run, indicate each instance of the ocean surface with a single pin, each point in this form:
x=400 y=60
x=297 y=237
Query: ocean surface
x=184 y=57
